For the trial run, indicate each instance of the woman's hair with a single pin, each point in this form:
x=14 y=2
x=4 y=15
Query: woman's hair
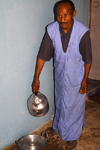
x=60 y=2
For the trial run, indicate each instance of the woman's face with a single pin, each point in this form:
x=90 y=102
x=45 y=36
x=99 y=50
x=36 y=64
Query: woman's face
x=65 y=16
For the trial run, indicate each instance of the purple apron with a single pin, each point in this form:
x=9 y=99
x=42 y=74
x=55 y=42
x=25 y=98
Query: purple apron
x=69 y=72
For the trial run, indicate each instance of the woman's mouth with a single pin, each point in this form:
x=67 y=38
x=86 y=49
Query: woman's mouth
x=63 y=23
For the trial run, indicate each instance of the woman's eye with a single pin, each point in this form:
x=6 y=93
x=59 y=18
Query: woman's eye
x=66 y=15
x=59 y=15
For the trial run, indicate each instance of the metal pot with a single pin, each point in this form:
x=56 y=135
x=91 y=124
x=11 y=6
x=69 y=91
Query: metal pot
x=32 y=142
x=38 y=104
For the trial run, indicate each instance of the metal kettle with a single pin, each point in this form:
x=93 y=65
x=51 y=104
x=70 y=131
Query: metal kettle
x=38 y=104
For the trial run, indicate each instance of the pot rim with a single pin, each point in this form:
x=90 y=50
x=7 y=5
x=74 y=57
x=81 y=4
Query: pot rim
x=32 y=142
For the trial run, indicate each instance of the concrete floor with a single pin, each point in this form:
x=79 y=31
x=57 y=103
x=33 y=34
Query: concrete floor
x=89 y=139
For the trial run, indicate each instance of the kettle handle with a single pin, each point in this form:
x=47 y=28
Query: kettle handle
x=18 y=145
x=44 y=133
x=36 y=93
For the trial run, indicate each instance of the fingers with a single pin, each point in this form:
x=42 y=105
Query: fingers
x=36 y=89
x=83 y=90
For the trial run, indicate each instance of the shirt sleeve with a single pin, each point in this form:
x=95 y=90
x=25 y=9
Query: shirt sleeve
x=46 y=48
x=85 y=48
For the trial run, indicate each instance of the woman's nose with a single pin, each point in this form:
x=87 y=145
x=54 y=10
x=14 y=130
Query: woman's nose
x=63 y=19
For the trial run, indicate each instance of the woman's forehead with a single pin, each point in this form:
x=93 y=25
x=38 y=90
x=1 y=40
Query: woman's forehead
x=64 y=6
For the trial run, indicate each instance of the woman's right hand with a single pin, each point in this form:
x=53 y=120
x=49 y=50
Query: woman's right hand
x=36 y=82
x=36 y=85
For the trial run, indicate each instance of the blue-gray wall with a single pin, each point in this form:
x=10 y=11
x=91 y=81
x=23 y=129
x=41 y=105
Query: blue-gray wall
x=22 y=26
